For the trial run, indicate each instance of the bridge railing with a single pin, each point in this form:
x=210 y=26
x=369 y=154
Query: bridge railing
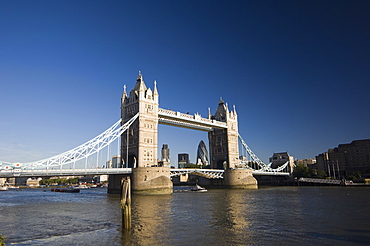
x=321 y=181
x=208 y=173
x=182 y=115
x=193 y=118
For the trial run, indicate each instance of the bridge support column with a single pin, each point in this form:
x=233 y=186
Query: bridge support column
x=240 y=179
x=114 y=183
x=151 y=181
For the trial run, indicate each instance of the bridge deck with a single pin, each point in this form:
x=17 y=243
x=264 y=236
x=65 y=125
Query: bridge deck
x=209 y=173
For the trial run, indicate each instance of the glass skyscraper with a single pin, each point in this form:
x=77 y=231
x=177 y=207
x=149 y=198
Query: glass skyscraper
x=202 y=154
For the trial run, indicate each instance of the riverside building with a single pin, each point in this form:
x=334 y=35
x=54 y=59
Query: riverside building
x=279 y=159
x=352 y=159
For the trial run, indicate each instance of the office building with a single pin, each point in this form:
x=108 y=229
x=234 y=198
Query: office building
x=202 y=154
x=183 y=160
x=346 y=160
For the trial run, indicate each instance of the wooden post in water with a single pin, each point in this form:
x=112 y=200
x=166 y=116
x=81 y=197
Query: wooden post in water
x=126 y=202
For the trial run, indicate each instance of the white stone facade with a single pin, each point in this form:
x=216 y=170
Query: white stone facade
x=140 y=143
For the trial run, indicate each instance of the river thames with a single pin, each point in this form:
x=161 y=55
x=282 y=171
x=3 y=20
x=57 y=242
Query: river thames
x=267 y=216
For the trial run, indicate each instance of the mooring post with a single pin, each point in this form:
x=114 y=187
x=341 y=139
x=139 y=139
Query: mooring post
x=126 y=202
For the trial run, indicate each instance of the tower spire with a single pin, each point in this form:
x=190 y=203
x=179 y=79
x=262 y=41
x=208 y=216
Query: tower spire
x=155 y=88
x=221 y=101
x=124 y=94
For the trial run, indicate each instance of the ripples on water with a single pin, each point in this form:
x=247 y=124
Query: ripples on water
x=267 y=216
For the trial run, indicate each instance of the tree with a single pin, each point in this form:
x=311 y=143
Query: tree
x=194 y=166
x=301 y=171
x=321 y=174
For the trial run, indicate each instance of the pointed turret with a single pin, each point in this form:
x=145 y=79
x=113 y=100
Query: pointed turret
x=124 y=94
x=234 y=112
x=221 y=111
x=140 y=84
x=155 y=88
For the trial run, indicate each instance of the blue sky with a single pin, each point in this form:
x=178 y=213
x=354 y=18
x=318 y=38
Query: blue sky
x=297 y=71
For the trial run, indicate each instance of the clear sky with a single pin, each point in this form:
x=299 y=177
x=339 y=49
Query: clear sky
x=298 y=72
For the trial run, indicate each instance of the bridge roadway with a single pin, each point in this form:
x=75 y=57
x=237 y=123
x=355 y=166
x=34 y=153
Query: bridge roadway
x=208 y=173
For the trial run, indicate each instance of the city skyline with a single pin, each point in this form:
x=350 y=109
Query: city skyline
x=297 y=72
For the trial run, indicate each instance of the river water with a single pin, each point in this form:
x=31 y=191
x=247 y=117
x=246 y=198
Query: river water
x=267 y=216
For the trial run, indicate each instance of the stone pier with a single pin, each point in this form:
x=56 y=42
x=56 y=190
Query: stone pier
x=240 y=179
x=151 y=181
x=145 y=180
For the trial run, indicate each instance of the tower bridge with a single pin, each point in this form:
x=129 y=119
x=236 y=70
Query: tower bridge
x=137 y=132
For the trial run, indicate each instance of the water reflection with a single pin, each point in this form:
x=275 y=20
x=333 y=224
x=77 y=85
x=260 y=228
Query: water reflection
x=230 y=216
x=234 y=209
x=150 y=216
x=220 y=216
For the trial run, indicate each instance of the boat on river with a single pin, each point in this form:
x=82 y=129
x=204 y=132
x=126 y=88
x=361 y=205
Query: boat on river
x=68 y=190
x=198 y=188
x=13 y=187
x=79 y=187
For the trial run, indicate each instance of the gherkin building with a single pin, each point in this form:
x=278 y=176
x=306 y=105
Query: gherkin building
x=202 y=154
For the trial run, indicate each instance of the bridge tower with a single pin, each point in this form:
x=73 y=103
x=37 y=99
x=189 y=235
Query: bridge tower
x=224 y=150
x=223 y=143
x=139 y=144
